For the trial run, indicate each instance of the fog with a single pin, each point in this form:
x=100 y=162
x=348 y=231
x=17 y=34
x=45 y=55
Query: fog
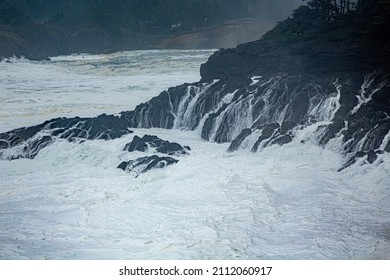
x=57 y=27
x=83 y=10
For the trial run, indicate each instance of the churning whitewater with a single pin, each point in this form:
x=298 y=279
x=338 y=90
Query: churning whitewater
x=261 y=201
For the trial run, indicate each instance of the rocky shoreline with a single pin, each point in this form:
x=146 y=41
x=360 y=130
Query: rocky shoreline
x=259 y=94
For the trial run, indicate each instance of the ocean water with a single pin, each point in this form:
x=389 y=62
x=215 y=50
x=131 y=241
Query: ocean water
x=71 y=202
x=87 y=85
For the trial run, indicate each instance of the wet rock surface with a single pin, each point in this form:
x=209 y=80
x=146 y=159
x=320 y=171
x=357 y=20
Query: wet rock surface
x=153 y=142
x=26 y=142
x=145 y=164
x=261 y=93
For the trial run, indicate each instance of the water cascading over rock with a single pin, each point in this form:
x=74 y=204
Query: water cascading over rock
x=254 y=96
x=258 y=95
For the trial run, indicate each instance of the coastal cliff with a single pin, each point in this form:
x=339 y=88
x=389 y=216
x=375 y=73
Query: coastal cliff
x=268 y=92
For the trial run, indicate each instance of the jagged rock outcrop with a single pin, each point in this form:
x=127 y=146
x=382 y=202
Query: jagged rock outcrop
x=151 y=142
x=26 y=142
x=364 y=156
x=145 y=164
x=265 y=93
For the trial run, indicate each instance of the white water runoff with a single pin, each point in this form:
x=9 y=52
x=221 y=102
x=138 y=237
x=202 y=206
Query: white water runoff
x=71 y=201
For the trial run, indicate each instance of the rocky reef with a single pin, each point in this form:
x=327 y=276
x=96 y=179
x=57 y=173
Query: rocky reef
x=256 y=95
x=26 y=142
x=151 y=143
x=265 y=92
x=145 y=164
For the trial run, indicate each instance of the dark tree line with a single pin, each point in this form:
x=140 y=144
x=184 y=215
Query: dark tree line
x=367 y=6
x=364 y=24
x=328 y=9
x=331 y=9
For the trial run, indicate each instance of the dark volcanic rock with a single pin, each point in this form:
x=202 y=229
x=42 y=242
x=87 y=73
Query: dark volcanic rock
x=281 y=140
x=157 y=112
x=267 y=132
x=268 y=56
x=32 y=148
x=330 y=131
x=275 y=90
x=171 y=149
x=150 y=141
x=263 y=88
x=137 y=144
x=239 y=139
x=145 y=164
x=146 y=143
x=27 y=141
x=28 y=149
x=369 y=157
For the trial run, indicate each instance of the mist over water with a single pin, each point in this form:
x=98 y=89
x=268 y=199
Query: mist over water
x=71 y=202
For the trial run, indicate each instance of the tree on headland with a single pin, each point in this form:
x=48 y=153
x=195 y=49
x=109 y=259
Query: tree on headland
x=364 y=24
x=329 y=9
x=366 y=5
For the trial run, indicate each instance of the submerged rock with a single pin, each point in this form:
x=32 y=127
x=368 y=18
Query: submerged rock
x=137 y=144
x=239 y=139
x=368 y=157
x=26 y=142
x=161 y=146
x=262 y=89
x=151 y=143
x=266 y=133
x=145 y=164
x=274 y=90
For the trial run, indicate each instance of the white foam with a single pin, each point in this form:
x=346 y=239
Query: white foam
x=71 y=202
x=88 y=85
x=286 y=202
x=364 y=96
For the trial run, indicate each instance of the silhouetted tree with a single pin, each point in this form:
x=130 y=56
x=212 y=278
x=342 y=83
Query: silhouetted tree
x=366 y=6
x=329 y=9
